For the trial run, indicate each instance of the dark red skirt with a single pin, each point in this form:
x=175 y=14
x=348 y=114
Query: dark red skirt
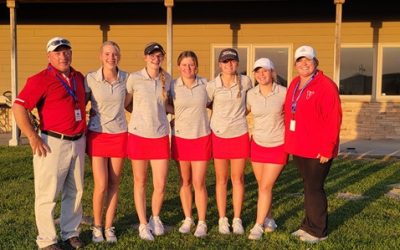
x=141 y=148
x=198 y=149
x=262 y=154
x=106 y=145
x=231 y=148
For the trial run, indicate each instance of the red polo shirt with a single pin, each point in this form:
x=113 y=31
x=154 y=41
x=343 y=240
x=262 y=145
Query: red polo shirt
x=318 y=118
x=55 y=104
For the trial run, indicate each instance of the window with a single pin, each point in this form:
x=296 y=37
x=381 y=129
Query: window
x=356 y=71
x=390 y=71
x=279 y=56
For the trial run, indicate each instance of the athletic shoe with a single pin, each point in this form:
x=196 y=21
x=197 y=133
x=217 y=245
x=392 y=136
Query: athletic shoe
x=201 y=229
x=186 y=225
x=97 y=234
x=256 y=232
x=145 y=233
x=110 y=235
x=223 y=226
x=269 y=225
x=306 y=237
x=237 y=226
x=156 y=226
x=299 y=233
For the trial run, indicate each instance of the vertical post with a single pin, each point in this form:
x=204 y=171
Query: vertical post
x=338 y=33
x=14 y=79
x=169 y=4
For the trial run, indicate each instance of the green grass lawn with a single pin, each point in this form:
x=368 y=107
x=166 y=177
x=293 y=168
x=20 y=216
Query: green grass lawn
x=369 y=223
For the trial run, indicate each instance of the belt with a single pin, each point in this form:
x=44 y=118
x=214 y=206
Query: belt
x=63 y=137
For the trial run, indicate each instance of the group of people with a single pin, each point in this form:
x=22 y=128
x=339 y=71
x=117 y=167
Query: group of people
x=305 y=125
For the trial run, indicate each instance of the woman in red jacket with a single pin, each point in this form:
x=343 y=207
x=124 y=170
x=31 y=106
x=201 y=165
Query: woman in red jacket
x=312 y=124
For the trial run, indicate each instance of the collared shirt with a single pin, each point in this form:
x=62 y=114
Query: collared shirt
x=191 y=116
x=228 y=117
x=56 y=107
x=267 y=111
x=107 y=100
x=149 y=118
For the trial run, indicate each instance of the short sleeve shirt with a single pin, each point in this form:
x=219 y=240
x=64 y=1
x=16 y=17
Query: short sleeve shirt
x=190 y=104
x=56 y=106
x=268 y=117
x=149 y=117
x=228 y=117
x=107 y=100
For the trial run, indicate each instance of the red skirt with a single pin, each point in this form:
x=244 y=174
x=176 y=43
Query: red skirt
x=231 y=148
x=106 y=145
x=191 y=149
x=262 y=154
x=141 y=148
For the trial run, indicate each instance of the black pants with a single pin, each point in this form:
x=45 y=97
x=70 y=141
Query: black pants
x=314 y=173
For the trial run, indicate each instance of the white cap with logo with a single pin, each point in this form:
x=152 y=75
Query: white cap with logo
x=305 y=51
x=56 y=42
x=265 y=63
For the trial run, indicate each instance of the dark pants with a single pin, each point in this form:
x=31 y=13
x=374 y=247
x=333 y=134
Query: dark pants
x=314 y=173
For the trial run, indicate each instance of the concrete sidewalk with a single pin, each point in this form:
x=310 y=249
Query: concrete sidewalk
x=382 y=148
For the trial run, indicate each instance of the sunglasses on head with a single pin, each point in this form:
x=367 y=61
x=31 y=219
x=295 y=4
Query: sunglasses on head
x=58 y=42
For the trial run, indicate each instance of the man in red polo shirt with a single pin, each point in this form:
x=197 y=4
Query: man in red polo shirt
x=59 y=149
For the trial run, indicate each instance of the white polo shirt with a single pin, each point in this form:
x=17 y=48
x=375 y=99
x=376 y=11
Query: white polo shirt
x=107 y=100
x=149 y=118
x=267 y=111
x=228 y=117
x=190 y=104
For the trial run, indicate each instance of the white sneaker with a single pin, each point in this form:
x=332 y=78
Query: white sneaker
x=269 y=225
x=145 y=233
x=223 y=226
x=97 y=234
x=256 y=232
x=306 y=237
x=237 y=226
x=186 y=225
x=299 y=233
x=156 y=226
x=110 y=235
x=201 y=229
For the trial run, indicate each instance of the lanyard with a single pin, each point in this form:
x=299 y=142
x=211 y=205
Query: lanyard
x=70 y=91
x=294 y=102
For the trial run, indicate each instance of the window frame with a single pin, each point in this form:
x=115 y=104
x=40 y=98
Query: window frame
x=379 y=96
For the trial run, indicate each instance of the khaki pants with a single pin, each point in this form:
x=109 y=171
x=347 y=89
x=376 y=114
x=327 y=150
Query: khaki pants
x=61 y=171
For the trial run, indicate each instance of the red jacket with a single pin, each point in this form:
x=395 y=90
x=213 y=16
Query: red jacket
x=317 y=118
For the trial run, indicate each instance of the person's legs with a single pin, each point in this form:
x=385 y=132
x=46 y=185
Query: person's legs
x=237 y=177
x=221 y=175
x=139 y=169
x=100 y=179
x=160 y=171
x=114 y=176
x=315 y=202
x=185 y=191
x=199 y=171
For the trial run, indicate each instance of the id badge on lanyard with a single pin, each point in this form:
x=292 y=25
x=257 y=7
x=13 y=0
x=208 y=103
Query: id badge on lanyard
x=72 y=93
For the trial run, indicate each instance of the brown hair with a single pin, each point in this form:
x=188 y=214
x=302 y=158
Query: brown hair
x=188 y=53
x=162 y=80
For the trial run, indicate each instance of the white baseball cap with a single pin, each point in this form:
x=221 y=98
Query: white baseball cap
x=56 y=42
x=265 y=63
x=305 y=51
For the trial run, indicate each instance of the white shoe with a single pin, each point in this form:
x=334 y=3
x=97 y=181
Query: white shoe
x=306 y=237
x=223 y=226
x=110 y=235
x=156 y=226
x=201 y=229
x=299 y=233
x=237 y=226
x=186 y=225
x=145 y=233
x=256 y=232
x=97 y=234
x=269 y=225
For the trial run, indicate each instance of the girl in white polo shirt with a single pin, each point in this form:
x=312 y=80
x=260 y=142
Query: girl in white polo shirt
x=107 y=136
x=230 y=138
x=148 y=136
x=268 y=157
x=191 y=140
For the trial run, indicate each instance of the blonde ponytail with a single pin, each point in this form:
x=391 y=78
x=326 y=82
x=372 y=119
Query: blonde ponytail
x=239 y=82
